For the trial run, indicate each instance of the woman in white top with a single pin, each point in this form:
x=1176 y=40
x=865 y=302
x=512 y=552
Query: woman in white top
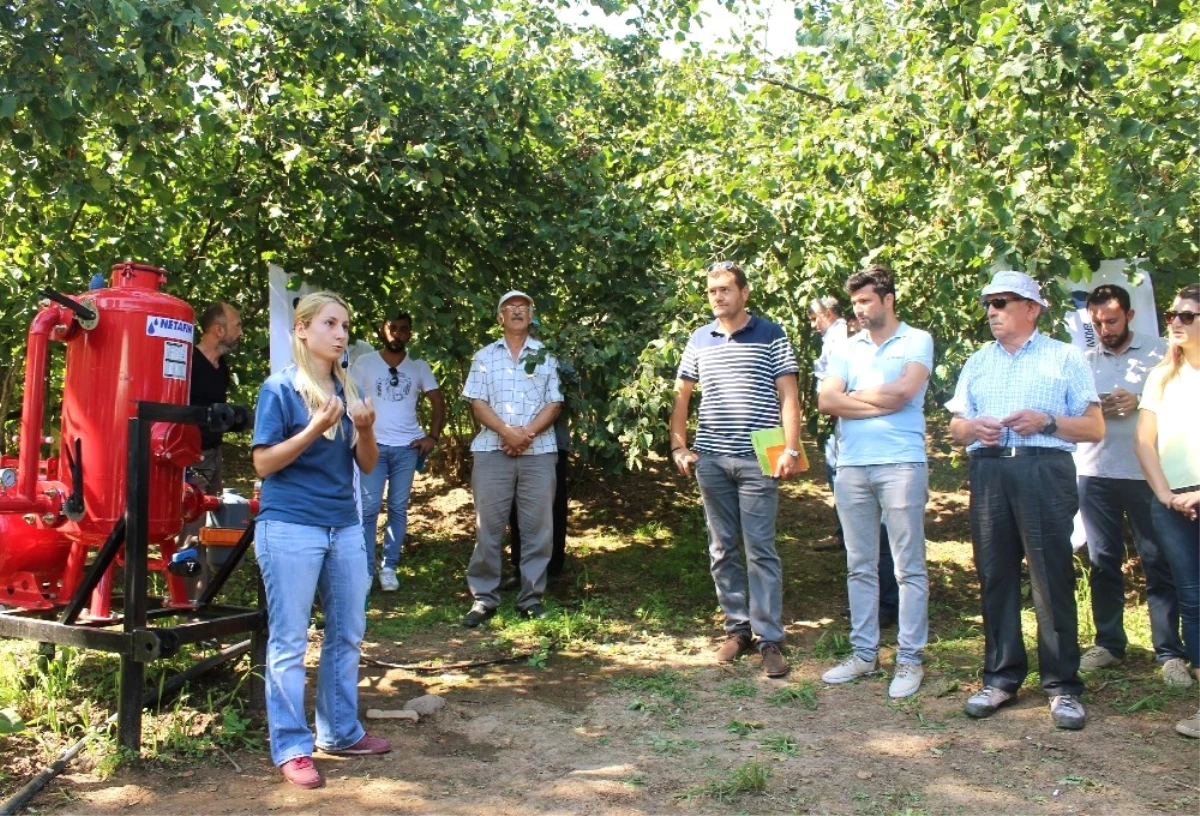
x=1168 y=449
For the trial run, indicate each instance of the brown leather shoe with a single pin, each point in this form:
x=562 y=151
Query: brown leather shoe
x=774 y=664
x=734 y=647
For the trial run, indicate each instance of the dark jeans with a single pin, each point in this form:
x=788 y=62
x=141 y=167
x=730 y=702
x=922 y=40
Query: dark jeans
x=1103 y=504
x=1179 y=538
x=889 y=588
x=558 y=555
x=1025 y=506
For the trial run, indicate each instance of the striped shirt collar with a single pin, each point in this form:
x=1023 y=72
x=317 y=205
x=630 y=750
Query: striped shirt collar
x=716 y=330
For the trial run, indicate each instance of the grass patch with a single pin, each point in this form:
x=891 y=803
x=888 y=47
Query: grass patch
x=667 y=746
x=802 y=694
x=739 y=688
x=831 y=646
x=749 y=777
x=665 y=684
x=782 y=744
x=742 y=728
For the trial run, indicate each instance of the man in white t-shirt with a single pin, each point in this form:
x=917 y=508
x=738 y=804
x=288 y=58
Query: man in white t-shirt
x=395 y=382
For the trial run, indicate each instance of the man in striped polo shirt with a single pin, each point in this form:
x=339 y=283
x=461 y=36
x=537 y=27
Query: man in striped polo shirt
x=1020 y=406
x=747 y=375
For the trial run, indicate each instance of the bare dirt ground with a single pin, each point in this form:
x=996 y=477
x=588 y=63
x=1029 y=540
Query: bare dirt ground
x=646 y=723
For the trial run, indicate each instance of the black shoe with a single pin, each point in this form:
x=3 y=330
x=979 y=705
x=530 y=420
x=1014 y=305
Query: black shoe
x=534 y=612
x=510 y=583
x=478 y=614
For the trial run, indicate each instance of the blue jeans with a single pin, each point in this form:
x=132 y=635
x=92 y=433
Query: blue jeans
x=889 y=590
x=739 y=506
x=1104 y=503
x=896 y=495
x=396 y=466
x=296 y=561
x=1179 y=538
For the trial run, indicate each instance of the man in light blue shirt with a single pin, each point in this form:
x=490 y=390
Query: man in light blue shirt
x=875 y=386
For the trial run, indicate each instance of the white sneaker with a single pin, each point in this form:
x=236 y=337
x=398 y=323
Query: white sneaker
x=1175 y=673
x=1190 y=727
x=388 y=581
x=850 y=669
x=906 y=681
x=1098 y=657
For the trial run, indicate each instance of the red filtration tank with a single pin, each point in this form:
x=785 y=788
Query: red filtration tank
x=136 y=345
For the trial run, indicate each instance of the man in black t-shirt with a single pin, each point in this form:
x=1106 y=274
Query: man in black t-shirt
x=221 y=328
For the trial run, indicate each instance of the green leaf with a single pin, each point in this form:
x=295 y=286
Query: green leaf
x=10 y=721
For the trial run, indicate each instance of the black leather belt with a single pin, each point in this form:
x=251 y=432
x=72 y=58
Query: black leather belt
x=1009 y=453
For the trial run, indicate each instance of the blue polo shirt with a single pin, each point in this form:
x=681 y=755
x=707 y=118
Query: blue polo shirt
x=316 y=489
x=737 y=374
x=897 y=437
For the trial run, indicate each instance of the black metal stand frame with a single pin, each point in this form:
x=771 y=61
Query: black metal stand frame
x=137 y=642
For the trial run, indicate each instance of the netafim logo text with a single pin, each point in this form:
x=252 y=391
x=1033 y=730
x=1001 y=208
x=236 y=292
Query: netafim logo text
x=170 y=328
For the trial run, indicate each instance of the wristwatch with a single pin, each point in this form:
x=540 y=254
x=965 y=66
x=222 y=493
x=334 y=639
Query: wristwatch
x=1051 y=425
x=795 y=454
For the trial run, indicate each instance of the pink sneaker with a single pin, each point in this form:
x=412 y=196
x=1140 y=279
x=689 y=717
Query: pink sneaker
x=301 y=772
x=366 y=745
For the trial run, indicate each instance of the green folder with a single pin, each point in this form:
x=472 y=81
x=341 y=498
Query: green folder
x=769 y=444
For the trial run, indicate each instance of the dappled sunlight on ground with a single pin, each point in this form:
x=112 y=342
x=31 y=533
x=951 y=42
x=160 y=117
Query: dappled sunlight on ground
x=614 y=705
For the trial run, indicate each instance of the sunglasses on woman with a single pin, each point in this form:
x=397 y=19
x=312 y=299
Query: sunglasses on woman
x=1187 y=317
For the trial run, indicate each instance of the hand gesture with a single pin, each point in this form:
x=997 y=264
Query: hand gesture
x=362 y=414
x=987 y=430
x=1025 y=422
x=424 y=445
x=327 y=415
x=684 y=459
x=1120 y=402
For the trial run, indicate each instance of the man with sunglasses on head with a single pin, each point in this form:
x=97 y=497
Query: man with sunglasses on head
x=395 y=382
x=1020 y=406
x=1112 y=488
x=747 y=375
x=513 y=389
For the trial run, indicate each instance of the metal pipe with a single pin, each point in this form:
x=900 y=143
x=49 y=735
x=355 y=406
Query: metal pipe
x=31 y=413
x=24 y=796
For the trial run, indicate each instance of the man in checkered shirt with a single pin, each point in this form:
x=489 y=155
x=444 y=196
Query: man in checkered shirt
x=1020 y=406
x=514 y=393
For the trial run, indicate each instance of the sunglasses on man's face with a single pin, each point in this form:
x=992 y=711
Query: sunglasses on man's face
x=395 y=376
x=1188 y=318
x=999 y=303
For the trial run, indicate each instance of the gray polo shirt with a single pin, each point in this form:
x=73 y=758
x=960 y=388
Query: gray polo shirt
x=1113 y=458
